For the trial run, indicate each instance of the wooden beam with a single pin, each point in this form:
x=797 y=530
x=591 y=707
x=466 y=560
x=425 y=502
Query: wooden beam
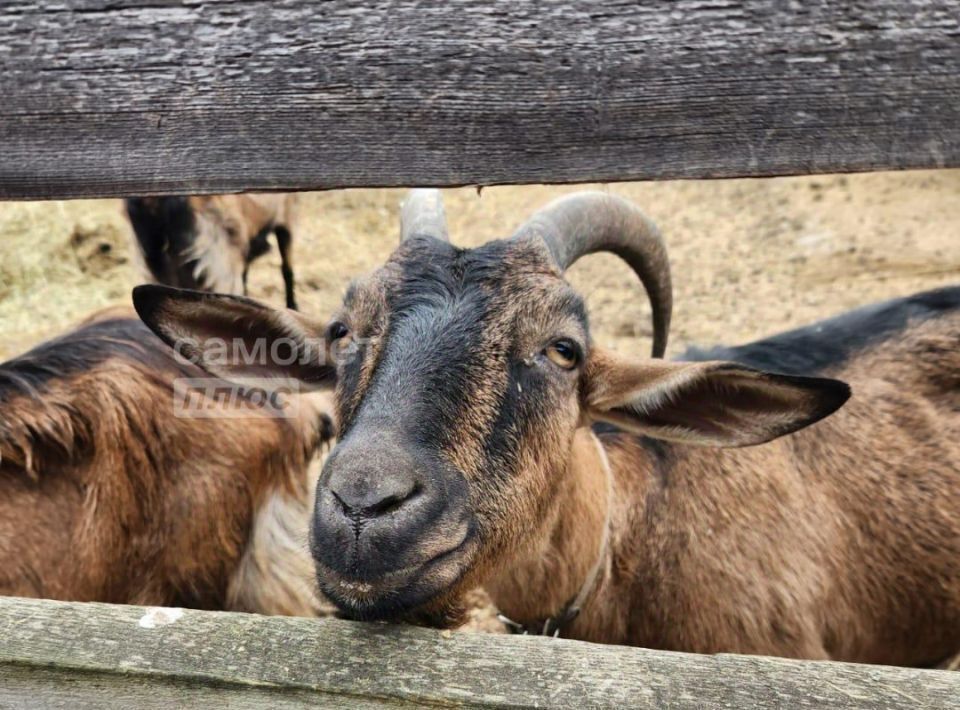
x=57 y=654
x=118 y=97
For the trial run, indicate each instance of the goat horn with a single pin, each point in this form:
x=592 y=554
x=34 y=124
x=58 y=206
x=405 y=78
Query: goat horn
x=589 y=222
x=422 y=215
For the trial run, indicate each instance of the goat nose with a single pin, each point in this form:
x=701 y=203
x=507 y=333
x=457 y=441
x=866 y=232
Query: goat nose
x=369 y=498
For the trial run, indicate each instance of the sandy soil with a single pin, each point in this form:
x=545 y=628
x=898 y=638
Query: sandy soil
x=750 y=257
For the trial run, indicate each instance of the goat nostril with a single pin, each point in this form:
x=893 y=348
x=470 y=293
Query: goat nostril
x=391 y=502
x=345 y=508
x=375 y=506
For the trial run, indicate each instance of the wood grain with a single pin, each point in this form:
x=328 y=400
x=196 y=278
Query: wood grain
x=57 y=654
x=111 y=97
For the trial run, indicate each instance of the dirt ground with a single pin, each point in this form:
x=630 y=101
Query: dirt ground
x=750 y=257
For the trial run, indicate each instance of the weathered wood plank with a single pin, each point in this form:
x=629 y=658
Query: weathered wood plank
x=84 y=655
x=81 y=690
x=108 y=97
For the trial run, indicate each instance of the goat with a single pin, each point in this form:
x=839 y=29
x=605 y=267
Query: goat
x=106 y=495
x=207 y=242
x=486 y=439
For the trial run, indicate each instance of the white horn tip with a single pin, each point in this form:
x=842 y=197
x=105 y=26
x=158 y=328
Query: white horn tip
x=422 y=213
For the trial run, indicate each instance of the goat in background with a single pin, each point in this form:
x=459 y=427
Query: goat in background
x=106 y=495
x=207 y=242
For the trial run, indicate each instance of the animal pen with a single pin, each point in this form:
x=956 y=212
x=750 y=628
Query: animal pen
x=124 y=98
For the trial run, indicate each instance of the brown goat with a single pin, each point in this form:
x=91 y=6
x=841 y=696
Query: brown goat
x=486 y=439
x=207 y=242
x=105 y=495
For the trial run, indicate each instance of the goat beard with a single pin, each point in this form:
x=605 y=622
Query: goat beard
x=445 y=612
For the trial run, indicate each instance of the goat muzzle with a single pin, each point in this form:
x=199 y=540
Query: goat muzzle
x=391 y=527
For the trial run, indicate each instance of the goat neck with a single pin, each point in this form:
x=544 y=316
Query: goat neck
x=553 y=585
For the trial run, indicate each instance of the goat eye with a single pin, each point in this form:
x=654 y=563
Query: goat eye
x=337 y=331
x=563 y=353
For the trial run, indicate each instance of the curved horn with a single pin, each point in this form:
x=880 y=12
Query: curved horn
x=422 y=215
x=589 y=222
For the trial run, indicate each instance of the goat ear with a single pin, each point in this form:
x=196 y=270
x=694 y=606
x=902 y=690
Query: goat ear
x=707 y=403
x=237 y=338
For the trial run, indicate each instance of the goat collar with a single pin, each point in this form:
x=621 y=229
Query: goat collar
x=553 y=625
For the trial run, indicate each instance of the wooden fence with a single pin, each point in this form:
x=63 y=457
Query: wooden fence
x=56 y=654
x=126 y=97
x=111 y=97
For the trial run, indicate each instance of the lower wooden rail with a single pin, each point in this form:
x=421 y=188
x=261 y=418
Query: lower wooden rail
x=57 y=654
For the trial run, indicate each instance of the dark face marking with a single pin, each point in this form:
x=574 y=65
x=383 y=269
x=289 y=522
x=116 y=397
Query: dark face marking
x=452 y=416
